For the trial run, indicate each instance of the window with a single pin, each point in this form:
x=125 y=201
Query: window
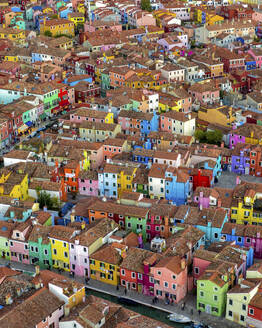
x=251 y=311
x=133 y=274
x=54 y=251
x=140 y=276
x=201 y=293
x=230 y=302
x=174 y=277
x=65 y=254
x=215 y=298
x=239 y=239
x=174 y=286
x=64 y=245
x=244 y=307
x=230 y=313
x=159 y=273
x=123 y=272
x=166 y=284
x=248 y=240
x=234 y=211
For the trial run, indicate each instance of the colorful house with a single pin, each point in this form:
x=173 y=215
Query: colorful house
x=57 y=27
x=238 y=299
x=5 y=233
x=19 y=246
x=88 y=183
x=212 y=288
x=135 y=270
x=249 y=236
x=246 y=208
x=255 y=311
x=88 y=242
x=105 y=263
x=246 y=133
x=170 y=278
x=59 y=238
x=40 y=247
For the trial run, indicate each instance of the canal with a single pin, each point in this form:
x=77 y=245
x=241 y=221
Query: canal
x=142 y=309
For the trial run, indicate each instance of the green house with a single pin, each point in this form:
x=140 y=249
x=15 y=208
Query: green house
x=137 y=222
x=105 y=81
x=40 y=247
x=6 y=229
x=212 y=289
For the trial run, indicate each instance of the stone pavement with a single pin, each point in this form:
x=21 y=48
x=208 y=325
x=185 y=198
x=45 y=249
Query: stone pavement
x=190 y=300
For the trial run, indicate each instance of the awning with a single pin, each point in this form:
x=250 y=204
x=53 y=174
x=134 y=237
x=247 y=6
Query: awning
x=29 y=124
x=22 y=128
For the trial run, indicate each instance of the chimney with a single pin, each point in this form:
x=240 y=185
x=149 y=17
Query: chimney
x=37 y=270
x=240 y=279
x=8 y=299
x=18 y=291
x=222 y=144
x=183 y=264
x=238 y=180
x=74 y=287
x=66 y=310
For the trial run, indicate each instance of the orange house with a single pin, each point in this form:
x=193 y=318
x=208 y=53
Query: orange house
x=118 y=75
x=69 y=175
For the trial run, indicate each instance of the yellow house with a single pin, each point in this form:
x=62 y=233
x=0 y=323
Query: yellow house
x=77 y=18
x=59 y=238
x=12 y=34
x=104 y=264
x=57 y=27
x=11 y=58
x=243 y=211
x=222 y=115
x=208 y=17
x=70 y=291
x=14 y=185
x=81 y=7
x=168 y=102
x=125 y=178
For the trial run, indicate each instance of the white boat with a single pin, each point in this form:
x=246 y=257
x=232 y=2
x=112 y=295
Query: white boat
x=178 y=318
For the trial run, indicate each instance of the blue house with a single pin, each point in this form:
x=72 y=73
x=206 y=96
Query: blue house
x=177 y=186
x=250 y=63
x=247 y=236
x=144 y=156
x=209 y=220
x=149 y=123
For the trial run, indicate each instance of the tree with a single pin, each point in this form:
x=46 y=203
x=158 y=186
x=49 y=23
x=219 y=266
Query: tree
x=44 y=199
x=200 y=135
x=48 y=33
x=145 y=5
x=214 y=137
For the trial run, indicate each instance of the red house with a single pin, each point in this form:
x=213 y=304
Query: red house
x=254 y=315
x=200 y=177
x=255 y=161
x=236 y=11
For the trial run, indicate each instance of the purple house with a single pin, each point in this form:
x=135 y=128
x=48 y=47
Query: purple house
x=19 y=247
x=240 y=159
x=170 y=42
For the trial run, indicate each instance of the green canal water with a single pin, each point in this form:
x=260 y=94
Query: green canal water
x=142 y=309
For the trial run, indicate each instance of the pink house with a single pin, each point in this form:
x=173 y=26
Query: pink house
x=170 y=276
x=90 y=115
x=257 y=15
x=205 y=93
x=200 y=263
x=102 y=25
x=257 y=55
x=19 y=247
x=88 y=183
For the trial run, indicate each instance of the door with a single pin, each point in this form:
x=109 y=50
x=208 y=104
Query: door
x=20 y=257
x=208 y=309
x=246 y=170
